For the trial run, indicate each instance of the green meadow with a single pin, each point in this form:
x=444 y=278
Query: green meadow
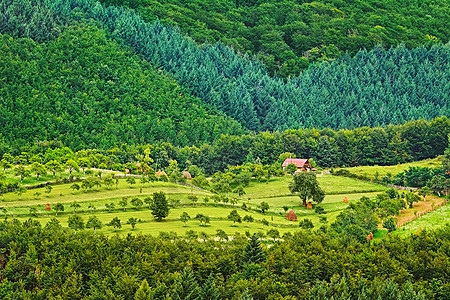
x=97 y=201
x=370 y=171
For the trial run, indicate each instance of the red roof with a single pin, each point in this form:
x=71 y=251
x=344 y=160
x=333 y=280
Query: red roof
x=297 y=161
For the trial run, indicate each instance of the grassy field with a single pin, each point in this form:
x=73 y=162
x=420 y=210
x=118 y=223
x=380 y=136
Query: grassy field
x=276 y=193
x=369 y=171
x=431 y=220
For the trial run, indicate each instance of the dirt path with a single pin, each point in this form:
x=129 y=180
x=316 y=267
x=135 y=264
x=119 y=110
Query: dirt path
x=421 y=208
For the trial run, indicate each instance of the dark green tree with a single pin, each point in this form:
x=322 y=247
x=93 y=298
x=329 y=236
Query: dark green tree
x=307 y=187
x=160 y=206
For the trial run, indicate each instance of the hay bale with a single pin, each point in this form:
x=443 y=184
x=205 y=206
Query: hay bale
x=345 y=199
x=309 y=206
x=291 y=216
x=187 y=175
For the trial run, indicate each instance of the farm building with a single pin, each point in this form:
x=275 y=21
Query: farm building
x=303 y=165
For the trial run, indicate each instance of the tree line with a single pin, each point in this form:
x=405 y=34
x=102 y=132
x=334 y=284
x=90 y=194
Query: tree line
x=394 y=144
x=372 y=88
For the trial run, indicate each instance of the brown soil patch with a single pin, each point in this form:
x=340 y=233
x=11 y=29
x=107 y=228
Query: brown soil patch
x=422 y=208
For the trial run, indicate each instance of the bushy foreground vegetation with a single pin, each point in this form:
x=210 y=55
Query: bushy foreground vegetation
x=46 y=262
x=288 y=35
x=395 y=81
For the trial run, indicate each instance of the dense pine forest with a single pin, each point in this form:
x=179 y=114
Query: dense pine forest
x=88 y=92
x=399 y=84
x=289 y=35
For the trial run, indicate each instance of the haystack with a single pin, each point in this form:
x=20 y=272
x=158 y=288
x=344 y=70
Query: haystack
x=291 y=216
x=309 y=206
x=345 y=200
x=160 y=173
x=187 y=175
x=47 y=207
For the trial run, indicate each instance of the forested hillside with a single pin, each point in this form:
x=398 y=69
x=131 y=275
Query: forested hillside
x=373 y=88
x=88 y=92
x=288 y=35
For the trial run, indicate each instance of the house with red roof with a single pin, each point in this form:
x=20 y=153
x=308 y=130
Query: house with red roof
x=303 y=165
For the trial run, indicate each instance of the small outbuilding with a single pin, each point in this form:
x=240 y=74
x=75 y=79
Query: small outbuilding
x=291 y=216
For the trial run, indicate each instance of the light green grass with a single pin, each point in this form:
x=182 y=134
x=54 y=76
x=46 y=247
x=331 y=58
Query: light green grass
x=331 y=184
x=369 y=171
x=257 y=192
x=431 y=220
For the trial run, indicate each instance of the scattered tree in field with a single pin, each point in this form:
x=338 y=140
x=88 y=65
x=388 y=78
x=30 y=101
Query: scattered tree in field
x=22 y=172
x=240 y=191
x=233 y=201
x=184 y=218
x=91 y=207
x=149 y=201
x=132 y=222
x=206 y=200
x=20 y=191
x=38 y=169
x=203 y=219
x=48 y=189
x=75 y=222
x=235 y=217
x=248 y=219
x=160 y=206
x=273 y=233
x=58 y=207
x=253 y=252
x=136 y=202
x=108 y=181
x=193 y=198
x=424 y=192
x=110 y=206
x=123 y=202
x=94 y=223
x=32 y=210
x=131 y=181
x=3 y=190
x=5 y=211
x=75 y=187
x=265 y=222
x=115 y=223
x=411 y=198
x=143 y=181
x=264 y=206
x=71 y=165
x=307 y=187
x=54 y=166
x=75 y=205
